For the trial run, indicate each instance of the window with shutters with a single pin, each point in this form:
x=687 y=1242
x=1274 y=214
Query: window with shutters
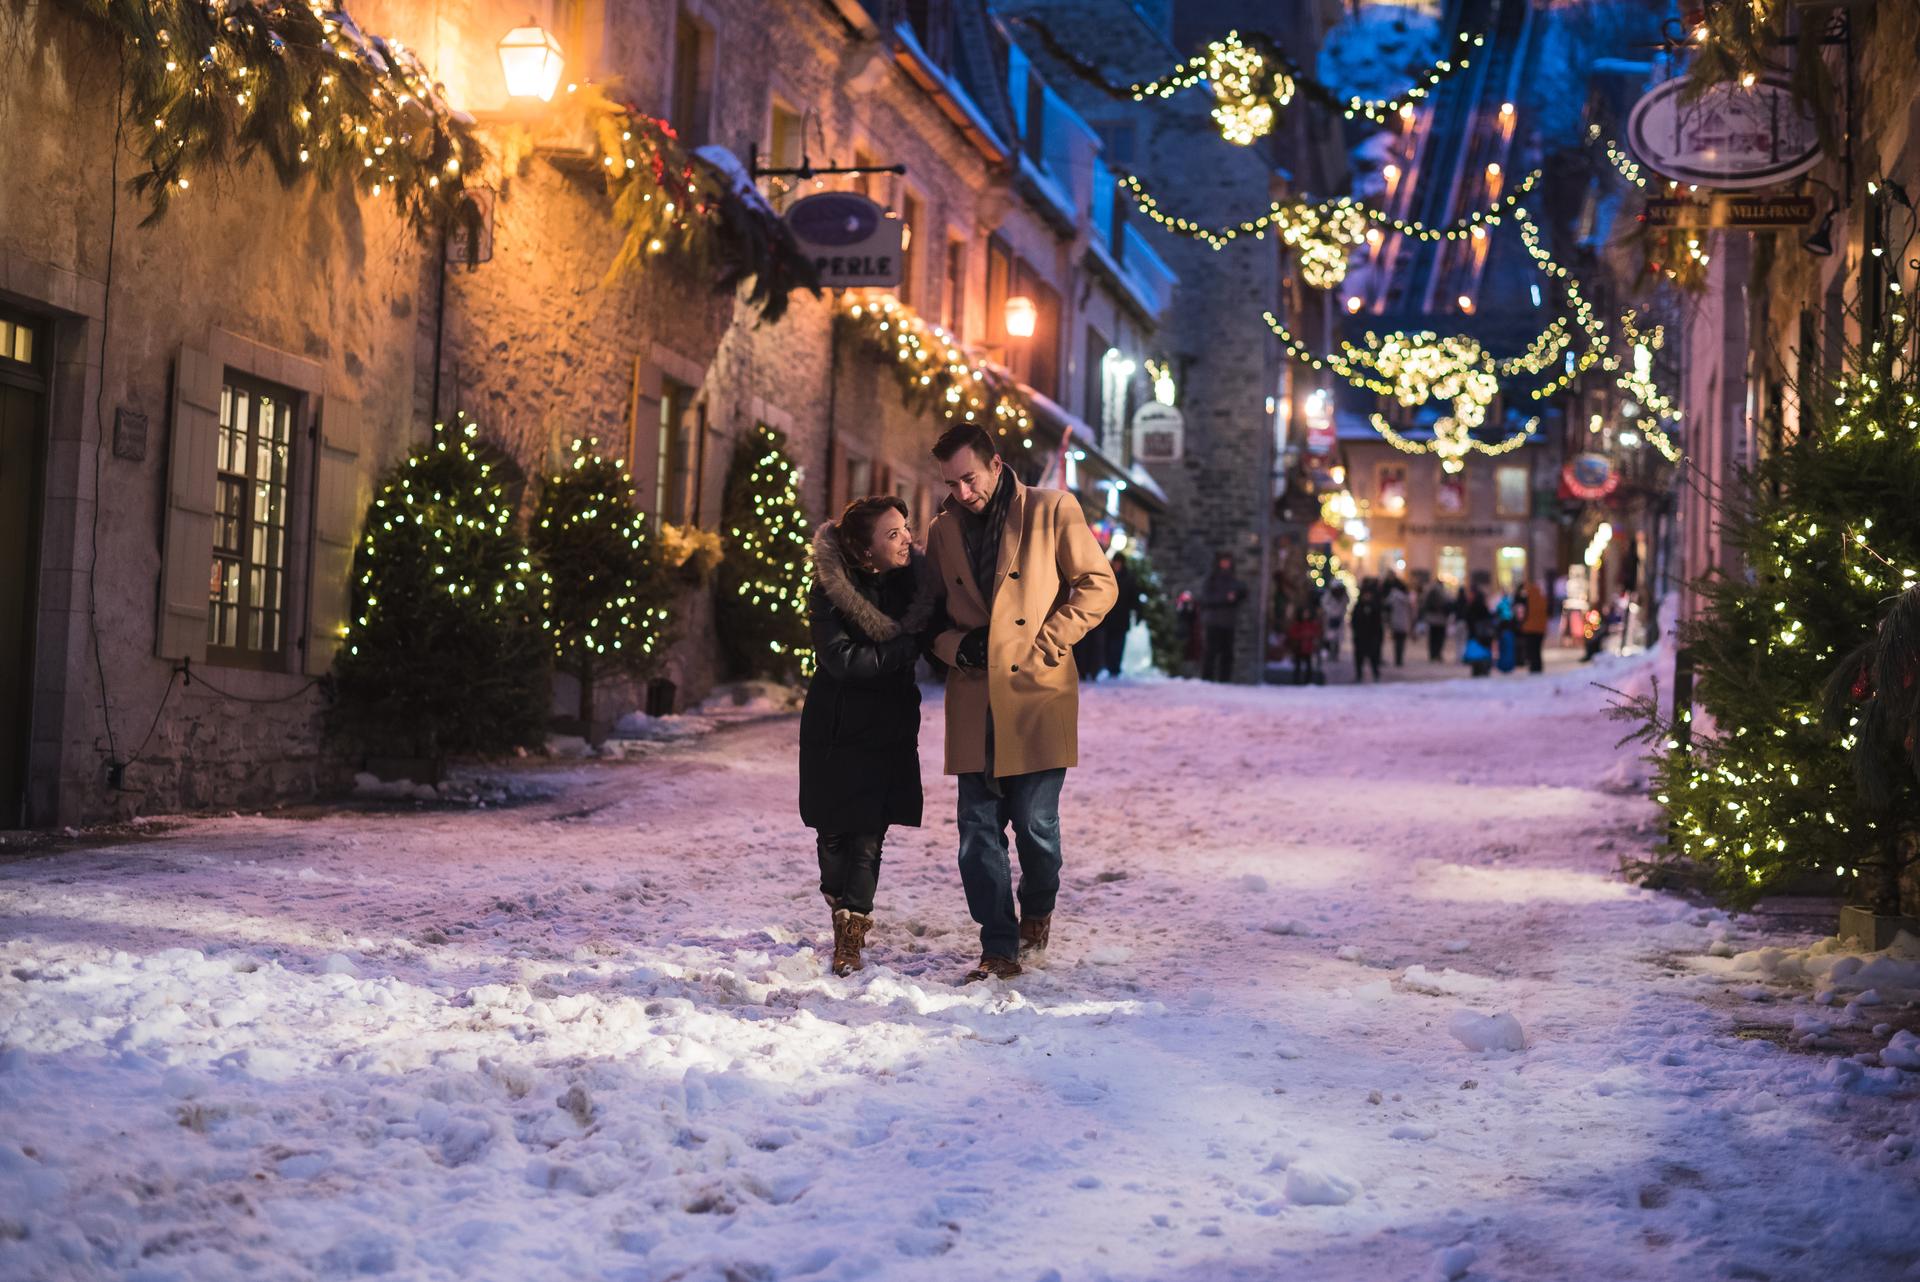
x=247 y=582
x=674 y=477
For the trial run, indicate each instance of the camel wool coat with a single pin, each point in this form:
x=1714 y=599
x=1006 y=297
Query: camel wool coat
x=1054 y=586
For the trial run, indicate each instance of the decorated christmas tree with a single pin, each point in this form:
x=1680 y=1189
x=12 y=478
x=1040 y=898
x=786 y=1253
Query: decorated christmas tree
x=443 y=653
x=762 y=601
x=604 y=591
x=1758 y=785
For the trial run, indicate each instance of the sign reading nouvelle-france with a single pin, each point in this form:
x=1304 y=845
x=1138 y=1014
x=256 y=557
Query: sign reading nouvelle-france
x=1731 y=211
x=1159 y=433
x=1730 y=138
x=849 y=238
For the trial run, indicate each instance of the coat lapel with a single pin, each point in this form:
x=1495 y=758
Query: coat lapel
x=1010 y=536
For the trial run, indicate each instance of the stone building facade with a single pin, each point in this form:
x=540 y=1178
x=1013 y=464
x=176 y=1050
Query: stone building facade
x=323 y=318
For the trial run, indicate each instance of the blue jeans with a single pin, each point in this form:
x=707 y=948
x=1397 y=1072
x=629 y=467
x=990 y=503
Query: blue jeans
x=1031 y=803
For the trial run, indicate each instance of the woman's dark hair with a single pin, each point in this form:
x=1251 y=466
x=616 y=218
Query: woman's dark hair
x=855 y=527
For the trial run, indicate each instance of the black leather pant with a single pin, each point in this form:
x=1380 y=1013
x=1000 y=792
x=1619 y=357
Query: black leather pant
x=850 y=868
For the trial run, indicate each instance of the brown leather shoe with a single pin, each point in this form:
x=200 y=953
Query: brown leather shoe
x=991 y=967
x=849 y=937
x=1033 y=934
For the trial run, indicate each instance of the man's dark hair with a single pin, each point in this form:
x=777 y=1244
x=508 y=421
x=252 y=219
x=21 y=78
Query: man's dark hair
x=965 y=436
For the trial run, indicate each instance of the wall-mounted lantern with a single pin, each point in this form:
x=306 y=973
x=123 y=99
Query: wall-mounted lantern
x=1022 y=316
x=531 y=60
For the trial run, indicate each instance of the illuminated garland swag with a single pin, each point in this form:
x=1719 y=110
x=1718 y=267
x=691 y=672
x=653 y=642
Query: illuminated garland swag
x=211 y=85
x=933 y=371
x=1251 y=74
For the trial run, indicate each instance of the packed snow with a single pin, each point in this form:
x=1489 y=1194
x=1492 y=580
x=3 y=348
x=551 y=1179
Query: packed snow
x=1345 y=984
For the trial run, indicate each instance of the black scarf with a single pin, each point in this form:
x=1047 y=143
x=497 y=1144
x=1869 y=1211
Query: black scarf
x=982 y=533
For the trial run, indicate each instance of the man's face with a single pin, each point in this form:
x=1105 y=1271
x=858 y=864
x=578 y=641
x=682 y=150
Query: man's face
x=970 y=480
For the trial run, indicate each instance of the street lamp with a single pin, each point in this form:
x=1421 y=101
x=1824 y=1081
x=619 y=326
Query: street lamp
x=531 y=61
x=1022 y=316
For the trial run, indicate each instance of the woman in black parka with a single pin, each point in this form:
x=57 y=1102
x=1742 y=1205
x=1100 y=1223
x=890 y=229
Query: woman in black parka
x=871 y=602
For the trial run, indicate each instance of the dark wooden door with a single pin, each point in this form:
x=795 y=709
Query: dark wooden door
x=22 y=412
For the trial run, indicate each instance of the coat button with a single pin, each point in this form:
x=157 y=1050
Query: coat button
x=1019 y=623
x=1016 y=667
x=958 y=579
x=1014 y=575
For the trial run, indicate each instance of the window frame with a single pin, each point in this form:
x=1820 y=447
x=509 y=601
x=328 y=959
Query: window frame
x=295 y=406
x=691 y=99
x=674 y=470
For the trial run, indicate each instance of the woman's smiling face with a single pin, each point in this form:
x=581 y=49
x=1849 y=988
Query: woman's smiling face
x=892 y=545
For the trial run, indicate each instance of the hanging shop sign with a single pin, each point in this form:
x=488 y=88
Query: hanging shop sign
x=849 y=239
x=1731 y=211
x=1730 y=138
x=1159 y=433
x=1588 y=477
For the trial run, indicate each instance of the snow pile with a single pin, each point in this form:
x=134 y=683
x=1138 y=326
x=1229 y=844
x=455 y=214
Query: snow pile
x=1833 y=964
x=748 y=700
x=1312 y=1184
x=1483 y=1033
x=374 y=788
x=640 y=726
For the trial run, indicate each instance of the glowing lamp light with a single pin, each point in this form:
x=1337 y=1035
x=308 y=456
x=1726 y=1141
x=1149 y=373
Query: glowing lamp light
x=1022 y=316
x=1117 y=362
x=531 y=61
x=1466 y=304
x=1353 y=303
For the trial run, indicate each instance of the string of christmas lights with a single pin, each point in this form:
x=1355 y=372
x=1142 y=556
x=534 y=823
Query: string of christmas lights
x=935 y=371
x=1316 y=215
x=212 y=84
x=1451 y=441
x=1251 y=74
x=1583 y=311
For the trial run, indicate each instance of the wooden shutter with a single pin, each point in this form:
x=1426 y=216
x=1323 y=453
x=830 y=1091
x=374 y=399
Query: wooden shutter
x=337 y=507
x=186 y=554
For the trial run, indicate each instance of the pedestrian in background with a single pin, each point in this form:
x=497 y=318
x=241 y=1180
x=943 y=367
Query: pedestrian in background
x=1119 y=621
x=1477 y=651
x=1220 y=598
x=1531 y=613
x=1369 y=630
x=1304 y=635
x=1333 y=611
x=1436 y=611
x=1399 y=617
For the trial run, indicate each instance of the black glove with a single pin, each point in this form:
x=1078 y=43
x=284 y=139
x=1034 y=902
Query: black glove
x=971 y=656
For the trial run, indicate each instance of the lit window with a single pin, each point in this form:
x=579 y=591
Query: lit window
x=247 y=585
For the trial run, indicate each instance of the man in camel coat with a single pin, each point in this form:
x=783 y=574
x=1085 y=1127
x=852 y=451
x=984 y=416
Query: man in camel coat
x=1023 y=579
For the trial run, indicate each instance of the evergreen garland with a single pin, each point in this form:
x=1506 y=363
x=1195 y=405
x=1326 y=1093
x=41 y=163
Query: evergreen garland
x=443 y=652
x=1828 y=530
x=762 y=603
x=604 y=590
x=211 y=84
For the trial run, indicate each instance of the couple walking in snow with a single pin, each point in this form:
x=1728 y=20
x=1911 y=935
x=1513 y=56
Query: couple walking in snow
x=1011 y=579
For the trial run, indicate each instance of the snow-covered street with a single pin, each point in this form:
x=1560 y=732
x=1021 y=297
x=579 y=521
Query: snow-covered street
x=590 y=1035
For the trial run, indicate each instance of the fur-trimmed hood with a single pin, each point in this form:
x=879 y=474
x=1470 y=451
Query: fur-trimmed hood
x=834 y=575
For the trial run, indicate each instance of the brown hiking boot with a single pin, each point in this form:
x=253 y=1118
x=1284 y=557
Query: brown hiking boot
x=991 y=967
x=849 y=937
x=1033 y=934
